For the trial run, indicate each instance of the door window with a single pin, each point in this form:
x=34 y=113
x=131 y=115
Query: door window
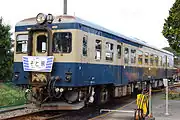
x=126 y=55
x=41 y=43
x=98 y=50
x=84 y=47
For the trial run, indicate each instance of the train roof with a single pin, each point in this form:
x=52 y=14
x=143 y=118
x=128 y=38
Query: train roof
x=74 y=19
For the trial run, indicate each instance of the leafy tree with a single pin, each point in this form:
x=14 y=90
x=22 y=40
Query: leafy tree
x=6 y=58
x=177 y=58
x=171 y=28
x=172 y=51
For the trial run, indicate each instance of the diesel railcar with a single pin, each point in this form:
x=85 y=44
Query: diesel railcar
x=70 y=62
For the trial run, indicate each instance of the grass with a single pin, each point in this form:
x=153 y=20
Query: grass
x=11 y=95
x=172 y=96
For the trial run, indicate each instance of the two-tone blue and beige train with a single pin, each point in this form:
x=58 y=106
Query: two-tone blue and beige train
x=69 y=62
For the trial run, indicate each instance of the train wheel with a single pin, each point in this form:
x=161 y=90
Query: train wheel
x=101 y=95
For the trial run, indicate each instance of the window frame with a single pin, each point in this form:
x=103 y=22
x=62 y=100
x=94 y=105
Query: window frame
x=160 y=61
x=20 y=52
x=110 y=51
x=134 y=56
x=127 y=55
x=42 y=42
x=86 y=39
x=98 y=49
x=156 y=61
x=151 y=59
x=138 y=53
x=146 y=57
x=168 y=61
x=164 y=61
x=71 y=46
x=119 y=53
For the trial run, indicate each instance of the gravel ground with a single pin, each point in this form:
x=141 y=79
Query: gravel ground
x=159 y=109
x=29 y=109
x=92 y=111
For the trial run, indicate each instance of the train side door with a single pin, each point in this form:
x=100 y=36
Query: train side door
x=119 y=58
x=85 y=55
x=39 y=47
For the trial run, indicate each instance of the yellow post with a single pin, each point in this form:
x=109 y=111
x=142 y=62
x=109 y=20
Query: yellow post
x=142 y=105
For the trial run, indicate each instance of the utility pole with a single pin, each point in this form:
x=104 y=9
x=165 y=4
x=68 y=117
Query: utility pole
x=166 y=85
x=65 y=7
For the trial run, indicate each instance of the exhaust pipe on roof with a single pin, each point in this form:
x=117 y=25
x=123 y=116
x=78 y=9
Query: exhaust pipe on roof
x=65 y=7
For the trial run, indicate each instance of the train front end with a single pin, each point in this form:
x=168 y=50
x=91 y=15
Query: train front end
x=44 y=61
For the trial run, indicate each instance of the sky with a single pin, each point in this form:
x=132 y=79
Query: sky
x=142 y=19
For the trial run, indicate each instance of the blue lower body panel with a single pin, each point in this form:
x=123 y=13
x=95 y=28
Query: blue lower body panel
x=84 y=74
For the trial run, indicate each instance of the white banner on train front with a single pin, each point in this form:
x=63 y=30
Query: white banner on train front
x=38 y=63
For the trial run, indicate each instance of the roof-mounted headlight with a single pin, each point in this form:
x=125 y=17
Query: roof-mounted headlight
x=50 y=18
x=41 y=18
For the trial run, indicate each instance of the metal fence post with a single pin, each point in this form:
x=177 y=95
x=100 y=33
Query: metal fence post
x=165 y=81
x=150 y=100
x=167 y=99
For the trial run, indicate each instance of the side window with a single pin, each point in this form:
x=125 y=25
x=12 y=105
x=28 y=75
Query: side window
x=118 y=51
x=171 y=62
x=98 y=49
x=140 y=57
x=84 y=48
x=146 y=59
x=126 y=55
x=41 y=43
x=109 y=51
x=168 y=61
x=62 y=42
x=156 y=59
x=160 y=61
x=21 y=43
x=151 y=59
x=133 y=56
x=164 y=61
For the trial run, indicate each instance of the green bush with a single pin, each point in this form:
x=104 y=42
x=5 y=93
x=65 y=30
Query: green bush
x=11 y=95
x=6 y=57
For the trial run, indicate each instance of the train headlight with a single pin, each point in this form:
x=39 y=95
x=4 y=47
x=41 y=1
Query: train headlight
x=50 y=18
x=41 y=18
x=16 y=76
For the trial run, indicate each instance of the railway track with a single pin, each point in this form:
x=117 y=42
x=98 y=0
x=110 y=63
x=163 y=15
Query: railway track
x=12 y=109
x=38 y=115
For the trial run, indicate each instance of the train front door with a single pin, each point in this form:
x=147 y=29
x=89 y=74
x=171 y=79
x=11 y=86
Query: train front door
x=39 y=49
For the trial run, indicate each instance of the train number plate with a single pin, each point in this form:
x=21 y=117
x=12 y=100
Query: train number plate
x=38 y=63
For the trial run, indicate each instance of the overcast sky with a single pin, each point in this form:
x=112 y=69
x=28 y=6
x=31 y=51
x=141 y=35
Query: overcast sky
x=142 y=19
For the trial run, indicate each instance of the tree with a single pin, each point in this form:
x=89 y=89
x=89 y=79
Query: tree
x=171 y=28
x=172 y=51
x=177 y=56
x=6 y=58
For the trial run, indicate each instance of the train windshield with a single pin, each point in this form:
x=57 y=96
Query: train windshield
x=62 y=42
